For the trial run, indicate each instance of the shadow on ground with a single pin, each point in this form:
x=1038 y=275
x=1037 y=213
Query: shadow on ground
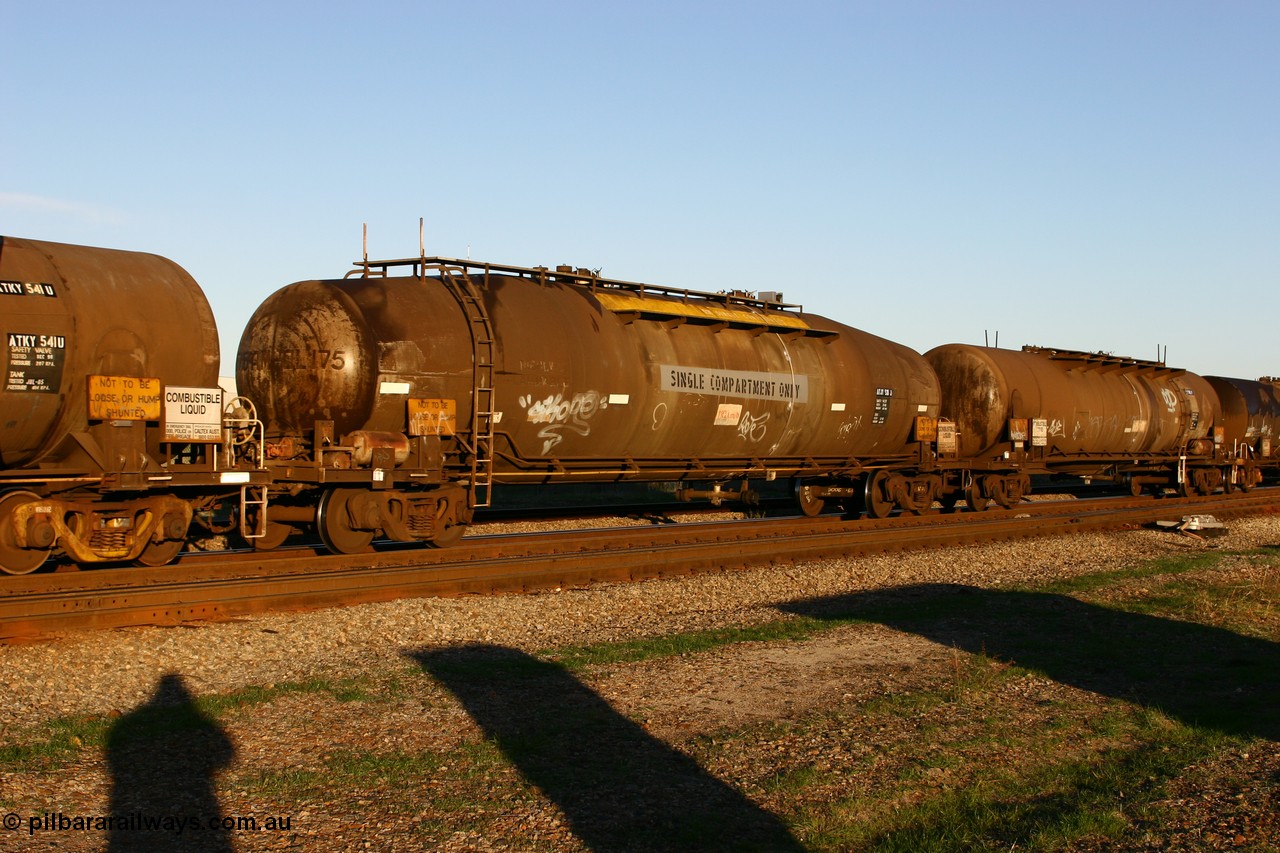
x=1200 y=675
x=620 y=788
x=163 y=757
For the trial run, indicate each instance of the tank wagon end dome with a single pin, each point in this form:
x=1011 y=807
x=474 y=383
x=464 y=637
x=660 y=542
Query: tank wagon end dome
x=306 y=355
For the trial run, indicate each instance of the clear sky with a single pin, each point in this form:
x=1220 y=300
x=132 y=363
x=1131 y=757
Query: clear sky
x=1086 y=175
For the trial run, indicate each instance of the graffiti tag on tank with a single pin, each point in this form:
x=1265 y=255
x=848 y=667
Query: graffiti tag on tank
x=659 y=415
x=559 y=413
x=849 y=426
x=752 y=427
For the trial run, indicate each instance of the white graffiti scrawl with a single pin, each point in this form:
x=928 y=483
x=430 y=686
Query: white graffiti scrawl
x=752 y=428
x=560 y=413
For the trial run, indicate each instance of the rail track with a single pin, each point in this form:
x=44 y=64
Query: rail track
x=221 y=585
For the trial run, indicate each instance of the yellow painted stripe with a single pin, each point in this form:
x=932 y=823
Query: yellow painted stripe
x=624 y=302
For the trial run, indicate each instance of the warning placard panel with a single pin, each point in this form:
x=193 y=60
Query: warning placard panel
x=946 y=438
x=432 y=417
x=34 y=362
x=193 y=414
x=124 y=398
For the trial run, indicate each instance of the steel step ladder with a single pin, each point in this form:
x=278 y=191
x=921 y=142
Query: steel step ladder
x=479 y=444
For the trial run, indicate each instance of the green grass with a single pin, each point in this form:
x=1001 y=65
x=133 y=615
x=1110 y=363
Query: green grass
x=54 y=743
x=942 y=785
x=1048 y=805
x=1159 y=567
x=576 y=658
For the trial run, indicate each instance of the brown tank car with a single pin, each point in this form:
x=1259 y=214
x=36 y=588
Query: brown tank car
x=94 y=340
x=462 y=376
x=1250 y=420
x=1092 y=415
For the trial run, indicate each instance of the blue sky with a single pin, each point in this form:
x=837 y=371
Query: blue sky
x=1087 y=175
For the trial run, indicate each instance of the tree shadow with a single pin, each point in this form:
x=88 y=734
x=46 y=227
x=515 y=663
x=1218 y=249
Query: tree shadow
x=1201 y=675
x=163 y=756
x=620 y=788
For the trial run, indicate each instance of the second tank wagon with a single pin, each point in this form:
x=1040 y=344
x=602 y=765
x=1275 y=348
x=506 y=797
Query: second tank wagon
x=458 y=375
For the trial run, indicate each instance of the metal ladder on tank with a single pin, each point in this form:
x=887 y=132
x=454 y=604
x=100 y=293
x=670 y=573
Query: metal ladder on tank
x=480 y=446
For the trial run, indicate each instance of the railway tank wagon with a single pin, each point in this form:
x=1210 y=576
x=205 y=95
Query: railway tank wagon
x=1088 y=414
x=1250 y=421
x=93 y=339
x=394 y=399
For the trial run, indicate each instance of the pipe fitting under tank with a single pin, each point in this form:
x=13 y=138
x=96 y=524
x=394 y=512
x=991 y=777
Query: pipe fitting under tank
x=364 y=442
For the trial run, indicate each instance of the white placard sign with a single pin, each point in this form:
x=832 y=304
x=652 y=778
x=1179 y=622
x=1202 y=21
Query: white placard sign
x=192 y=414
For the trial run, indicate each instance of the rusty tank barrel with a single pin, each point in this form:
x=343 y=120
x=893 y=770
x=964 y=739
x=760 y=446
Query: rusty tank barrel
x=1094 y=404
x=74 y=311
x=1250 y=414
x=584 y=369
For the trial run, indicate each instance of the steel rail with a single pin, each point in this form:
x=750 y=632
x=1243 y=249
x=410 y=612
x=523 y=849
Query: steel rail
x=220 y=588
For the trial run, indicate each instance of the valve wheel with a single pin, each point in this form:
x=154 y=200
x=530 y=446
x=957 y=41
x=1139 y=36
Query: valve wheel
x=241 y=435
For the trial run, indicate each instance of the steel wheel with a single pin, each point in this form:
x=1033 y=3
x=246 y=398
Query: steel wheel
x=879 y=505
x=974 y=497
x=1186 y=488
x=160 y=553
x=273 y=537
x=449 y=536
x=13 y=559
x=334 y=524
x=810 y=504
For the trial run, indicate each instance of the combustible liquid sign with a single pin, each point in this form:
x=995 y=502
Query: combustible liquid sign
x=193 y=414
